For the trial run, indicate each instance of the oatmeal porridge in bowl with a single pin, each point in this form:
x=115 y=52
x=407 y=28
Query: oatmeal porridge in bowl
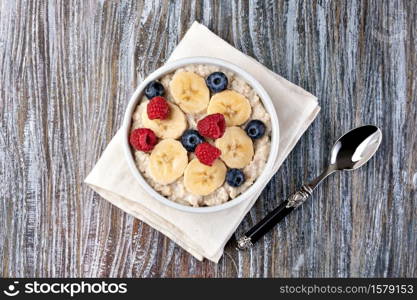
x=201 y=135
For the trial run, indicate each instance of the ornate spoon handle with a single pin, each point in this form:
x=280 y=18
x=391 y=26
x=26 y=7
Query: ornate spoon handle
x=272 y=218
x=279 y=213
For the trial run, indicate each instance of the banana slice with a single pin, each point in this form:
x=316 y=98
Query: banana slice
x=172 y=127
x=200 y=179
x=234 y=106
x=190 y=92
x=236 y=147
x=167 y=161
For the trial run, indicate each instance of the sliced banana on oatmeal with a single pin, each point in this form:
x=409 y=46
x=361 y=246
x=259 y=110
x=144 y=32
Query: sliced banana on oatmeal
x=168 y=161
x=200 y=179
x=236 y=147
x=171 y=127
x=234 y=106
x=190 y=92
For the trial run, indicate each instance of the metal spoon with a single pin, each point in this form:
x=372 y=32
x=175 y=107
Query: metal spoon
x=350 y=152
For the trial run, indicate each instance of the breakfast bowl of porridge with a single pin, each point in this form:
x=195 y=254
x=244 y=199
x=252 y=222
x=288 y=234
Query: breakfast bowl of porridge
x=201 y=135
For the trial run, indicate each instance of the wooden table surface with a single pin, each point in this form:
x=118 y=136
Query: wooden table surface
x=68 y=68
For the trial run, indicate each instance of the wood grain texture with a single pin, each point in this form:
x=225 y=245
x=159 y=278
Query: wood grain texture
x=68 y=68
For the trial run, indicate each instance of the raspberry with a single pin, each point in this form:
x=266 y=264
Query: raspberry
x=207 y=153
x=212 y=126
x=157 y=108
x=143 y=139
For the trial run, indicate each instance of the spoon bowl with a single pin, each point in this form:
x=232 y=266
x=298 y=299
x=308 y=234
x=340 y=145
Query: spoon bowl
x=355 y=148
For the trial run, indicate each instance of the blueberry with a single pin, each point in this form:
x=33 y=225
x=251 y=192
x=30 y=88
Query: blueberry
x=153 y=89
x=255 y=129
x=235 y=177
x=190 y=139
x=217 y=82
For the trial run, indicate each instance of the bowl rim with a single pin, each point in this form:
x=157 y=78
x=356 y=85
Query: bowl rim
x=259 y=183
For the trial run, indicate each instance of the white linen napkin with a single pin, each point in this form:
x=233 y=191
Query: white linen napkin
x=203 y=235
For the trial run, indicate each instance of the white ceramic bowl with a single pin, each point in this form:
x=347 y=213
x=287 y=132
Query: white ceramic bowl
x=266 y=100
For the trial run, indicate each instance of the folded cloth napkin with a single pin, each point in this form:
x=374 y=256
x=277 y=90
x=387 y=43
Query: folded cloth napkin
x=203 y=235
